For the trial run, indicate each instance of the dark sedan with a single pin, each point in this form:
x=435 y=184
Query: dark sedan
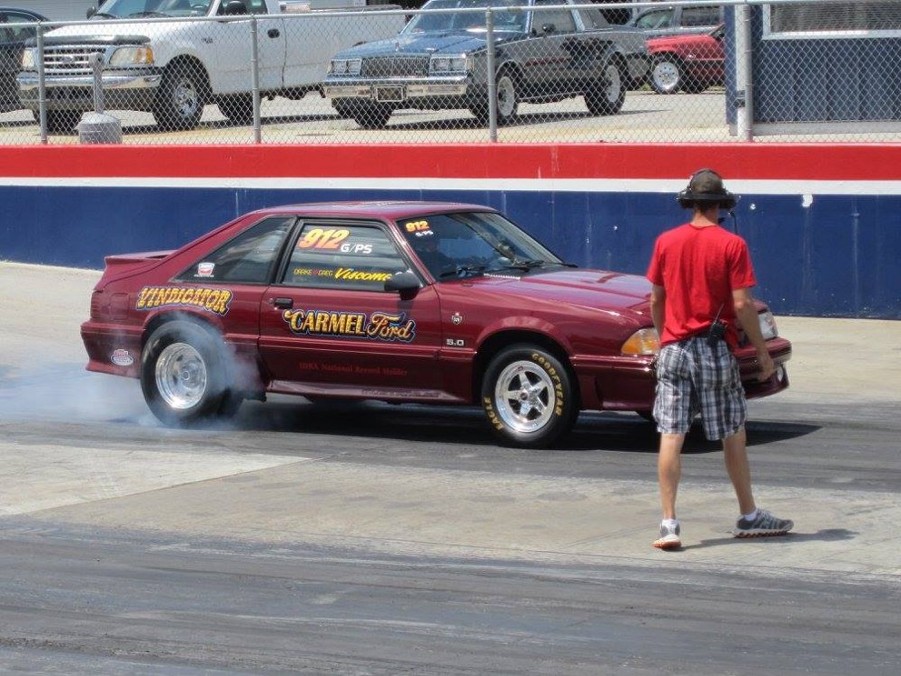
x=441 y=61
x=436 y=303
x=16 y=26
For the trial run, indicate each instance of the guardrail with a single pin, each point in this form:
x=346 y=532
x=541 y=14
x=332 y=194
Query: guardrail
x=518 y=72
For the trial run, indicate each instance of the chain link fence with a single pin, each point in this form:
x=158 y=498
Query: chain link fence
x=455 y=71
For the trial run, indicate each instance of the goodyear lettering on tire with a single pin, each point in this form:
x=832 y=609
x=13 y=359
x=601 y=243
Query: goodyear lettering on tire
x=555 y=377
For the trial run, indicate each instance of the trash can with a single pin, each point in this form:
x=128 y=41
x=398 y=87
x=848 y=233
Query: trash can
x=99 y=128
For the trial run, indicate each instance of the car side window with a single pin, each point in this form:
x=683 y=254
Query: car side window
x=17 y=33
x=349 y=256
x=662 y=18
x=249 y=258
x=561 y=19
x=592 y=19
x=700 y=16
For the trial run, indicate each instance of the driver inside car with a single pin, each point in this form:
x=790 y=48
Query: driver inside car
x=426 y=247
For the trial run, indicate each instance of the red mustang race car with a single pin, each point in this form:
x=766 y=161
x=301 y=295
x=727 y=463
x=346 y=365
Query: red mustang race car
x=395 y=301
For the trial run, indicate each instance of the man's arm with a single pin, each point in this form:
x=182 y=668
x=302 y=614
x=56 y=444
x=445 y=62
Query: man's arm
x=658 y=307
x=747 y=315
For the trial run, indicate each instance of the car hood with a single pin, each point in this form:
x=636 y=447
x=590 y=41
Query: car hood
x=583 y=287
x=447 y=42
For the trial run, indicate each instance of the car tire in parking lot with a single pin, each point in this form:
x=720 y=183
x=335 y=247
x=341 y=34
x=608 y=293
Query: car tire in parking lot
x=184 y=375
x=178 y=104
x=507 y=96
x=667 y=74
x=608 y=95
x=529 y=396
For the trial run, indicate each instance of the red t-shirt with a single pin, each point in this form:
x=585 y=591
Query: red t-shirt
x=698 y=267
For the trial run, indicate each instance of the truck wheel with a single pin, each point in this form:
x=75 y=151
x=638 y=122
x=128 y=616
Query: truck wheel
x=179 y=101
x=60 y=121
x=507 y=97
x=606 y=97
x=666 y=75
x=237 y=107
x=528 y=396
x=185 y=376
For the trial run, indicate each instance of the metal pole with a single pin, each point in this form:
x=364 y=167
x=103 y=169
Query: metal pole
x=744 y=85
x=492 y=77
x=255 y=79
x=42 y=85
x=97 y=69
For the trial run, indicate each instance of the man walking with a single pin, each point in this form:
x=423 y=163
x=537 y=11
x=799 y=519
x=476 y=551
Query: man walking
x=702 y=276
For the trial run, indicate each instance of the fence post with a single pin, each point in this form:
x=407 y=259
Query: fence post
x=744 y=83
x=255 y=79
x=492 y=77
x=42 y=85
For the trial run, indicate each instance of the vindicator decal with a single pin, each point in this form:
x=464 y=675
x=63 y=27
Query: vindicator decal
x=392 y=327
x=211 y=300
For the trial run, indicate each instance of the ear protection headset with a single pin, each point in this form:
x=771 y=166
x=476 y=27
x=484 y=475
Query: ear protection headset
x=705 y=187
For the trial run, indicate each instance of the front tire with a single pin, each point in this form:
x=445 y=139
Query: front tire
x=185 y=376
x=529 y=396
x=178 y=104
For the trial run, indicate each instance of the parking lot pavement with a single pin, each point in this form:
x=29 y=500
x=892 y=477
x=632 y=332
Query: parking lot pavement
x=278 y=497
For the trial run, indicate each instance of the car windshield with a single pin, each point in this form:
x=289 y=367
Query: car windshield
x=474 y=243
x=504 y=19
x=123 y=9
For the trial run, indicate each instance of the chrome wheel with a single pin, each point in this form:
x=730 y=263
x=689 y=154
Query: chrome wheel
x=524 y=397
x=181 y=376
x=507 y=100
x=666 y=76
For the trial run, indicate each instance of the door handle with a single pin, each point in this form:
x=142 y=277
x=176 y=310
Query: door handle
x=283 y=303
x=273 y=32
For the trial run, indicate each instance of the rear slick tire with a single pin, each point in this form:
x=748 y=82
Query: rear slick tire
x=185 y=375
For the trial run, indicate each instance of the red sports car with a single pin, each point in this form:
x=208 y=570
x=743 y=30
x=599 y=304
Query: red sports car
x=687 y=62
x=396 y=301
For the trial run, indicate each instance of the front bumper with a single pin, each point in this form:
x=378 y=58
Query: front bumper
x=399 y=91
x=126 y=90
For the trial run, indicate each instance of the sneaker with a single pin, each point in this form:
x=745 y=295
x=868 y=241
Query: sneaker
x=765 y=524
x=669 y=537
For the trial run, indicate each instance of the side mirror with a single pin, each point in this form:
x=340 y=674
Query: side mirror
x=407 y=284
x=91 y=11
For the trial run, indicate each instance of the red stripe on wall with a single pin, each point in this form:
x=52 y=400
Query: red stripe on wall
x=603 y=161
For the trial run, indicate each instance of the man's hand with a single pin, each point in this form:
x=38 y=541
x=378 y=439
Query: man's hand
x=767 y=367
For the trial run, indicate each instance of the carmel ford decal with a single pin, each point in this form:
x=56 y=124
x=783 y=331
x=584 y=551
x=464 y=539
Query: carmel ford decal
x=377 y=326
x=211 y=300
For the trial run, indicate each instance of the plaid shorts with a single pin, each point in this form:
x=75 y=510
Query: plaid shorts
x=692 y=378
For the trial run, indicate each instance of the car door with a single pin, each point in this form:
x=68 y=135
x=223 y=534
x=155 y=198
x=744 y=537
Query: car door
x=235 y=49
x=329 y=327
x=549 y=62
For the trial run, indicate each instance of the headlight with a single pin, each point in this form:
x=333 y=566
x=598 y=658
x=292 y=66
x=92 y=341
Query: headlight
x=28 y=59
x=132 y=56
x=346 y=66
x=642 y=342
x=458 y=63
x=768 y=325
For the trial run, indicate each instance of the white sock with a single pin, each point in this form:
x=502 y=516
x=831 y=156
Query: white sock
x=751 y=516
x=670 y=523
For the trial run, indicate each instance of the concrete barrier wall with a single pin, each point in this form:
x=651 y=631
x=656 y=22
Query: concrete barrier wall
x=823 y=222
